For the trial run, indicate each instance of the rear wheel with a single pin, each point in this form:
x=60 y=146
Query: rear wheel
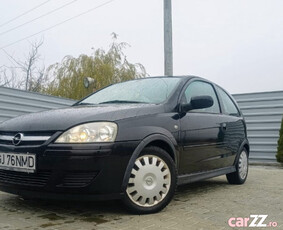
x=152 y=182
x=242 y=168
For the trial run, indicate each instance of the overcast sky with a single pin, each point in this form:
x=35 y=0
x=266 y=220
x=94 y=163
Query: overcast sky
x=235 y=43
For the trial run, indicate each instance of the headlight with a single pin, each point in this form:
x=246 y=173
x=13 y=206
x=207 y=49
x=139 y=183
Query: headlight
x=90 y=132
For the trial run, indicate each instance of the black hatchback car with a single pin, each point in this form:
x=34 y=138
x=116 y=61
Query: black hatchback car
x=135 y=140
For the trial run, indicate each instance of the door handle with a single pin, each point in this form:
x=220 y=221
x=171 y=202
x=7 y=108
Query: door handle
x=224 y=126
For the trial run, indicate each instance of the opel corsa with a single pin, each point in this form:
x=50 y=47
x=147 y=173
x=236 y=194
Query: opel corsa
x=135 y=140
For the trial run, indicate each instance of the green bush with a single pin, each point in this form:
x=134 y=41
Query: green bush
x=279 y=155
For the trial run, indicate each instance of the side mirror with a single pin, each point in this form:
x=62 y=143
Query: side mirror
x=199 y=102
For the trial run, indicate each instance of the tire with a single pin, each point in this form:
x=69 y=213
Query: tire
x=242 y=169
x=152 y=182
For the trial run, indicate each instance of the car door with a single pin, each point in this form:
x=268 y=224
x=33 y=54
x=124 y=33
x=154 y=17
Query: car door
x=202 y=133
x=235 y=128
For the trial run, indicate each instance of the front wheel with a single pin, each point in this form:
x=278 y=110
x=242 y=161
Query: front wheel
x=242 y=168
x=152 y=182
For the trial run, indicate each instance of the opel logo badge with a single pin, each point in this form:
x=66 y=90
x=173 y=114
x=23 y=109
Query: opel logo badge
x=17 y=139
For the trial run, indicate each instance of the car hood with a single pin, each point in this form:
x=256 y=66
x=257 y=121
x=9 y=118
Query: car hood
x=62 y=119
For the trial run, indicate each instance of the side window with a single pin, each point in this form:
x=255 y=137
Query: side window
x=200 y=88
x=229 y=107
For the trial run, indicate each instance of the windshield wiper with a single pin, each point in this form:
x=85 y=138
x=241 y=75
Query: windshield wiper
x=121 y=102
x=83 y=103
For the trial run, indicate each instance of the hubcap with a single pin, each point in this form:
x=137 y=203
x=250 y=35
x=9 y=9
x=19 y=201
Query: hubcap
x=149 y=182
x=243 y=165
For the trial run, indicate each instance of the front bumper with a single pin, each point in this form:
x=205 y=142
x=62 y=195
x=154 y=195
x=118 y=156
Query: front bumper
x=76 y=171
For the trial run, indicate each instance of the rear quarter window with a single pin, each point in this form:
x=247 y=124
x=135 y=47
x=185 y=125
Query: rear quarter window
x=228 y=105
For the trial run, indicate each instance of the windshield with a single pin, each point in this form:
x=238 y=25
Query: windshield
x=147 y=90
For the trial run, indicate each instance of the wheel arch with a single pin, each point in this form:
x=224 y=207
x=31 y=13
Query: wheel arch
x=245 y=144
x=247 y=147
x=163 y=145
x=158 y=140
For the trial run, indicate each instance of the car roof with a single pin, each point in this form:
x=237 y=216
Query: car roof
x=184 y=77
x=175 y=76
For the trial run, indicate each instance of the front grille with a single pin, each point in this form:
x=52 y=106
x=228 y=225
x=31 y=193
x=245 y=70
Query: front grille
x=28 y=138
x=38 y=179
x=77 y=179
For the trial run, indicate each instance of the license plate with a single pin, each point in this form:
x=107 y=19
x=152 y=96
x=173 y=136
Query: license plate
x=18 y=162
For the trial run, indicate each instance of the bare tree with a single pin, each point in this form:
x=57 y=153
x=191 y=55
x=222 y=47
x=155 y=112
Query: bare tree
x=33 y=76
x=8 y=77
x=29 y=65
x=4 y=80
